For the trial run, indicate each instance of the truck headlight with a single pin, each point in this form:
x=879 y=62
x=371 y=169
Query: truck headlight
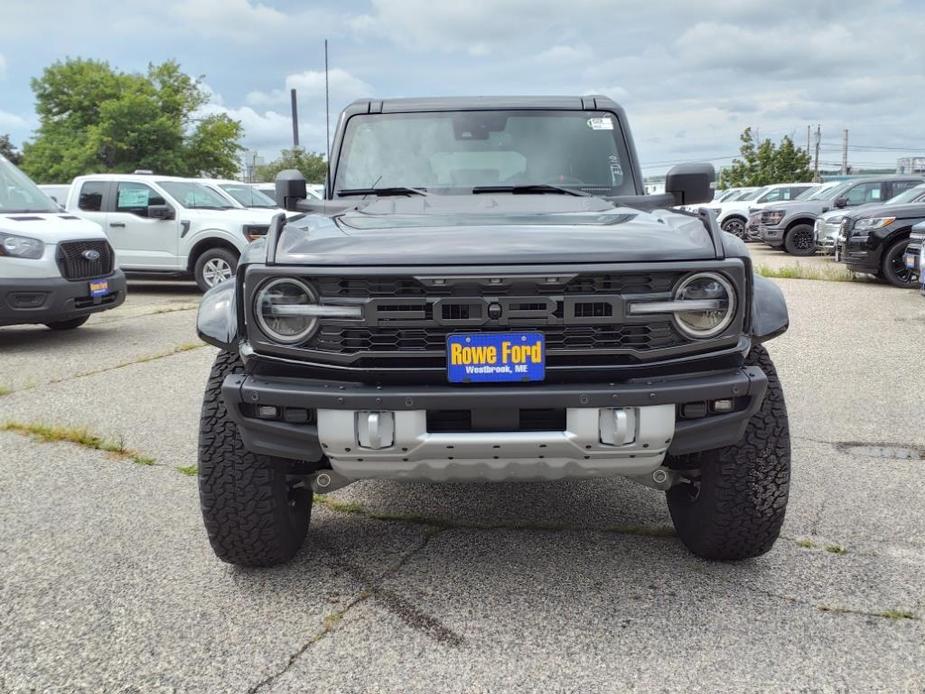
x=280 y=309
x=255 y=231
x=870 y=223
x=703 y=306
x=772 y=217
x=714 y=299
x=21 y=247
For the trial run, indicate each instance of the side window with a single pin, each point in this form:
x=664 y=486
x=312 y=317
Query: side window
x=900 y=186
x=773 y=195
x=795 y=192
x=91 y=196
x=135 y=198
x=863 y=192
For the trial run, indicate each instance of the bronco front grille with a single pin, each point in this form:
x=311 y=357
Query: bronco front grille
x=83 y=260
x=345 y=340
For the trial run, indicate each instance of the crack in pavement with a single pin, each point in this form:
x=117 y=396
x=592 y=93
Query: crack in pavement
x=394 y=603
x=179 y=349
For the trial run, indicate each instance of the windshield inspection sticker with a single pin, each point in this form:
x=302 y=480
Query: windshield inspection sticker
x=600 y=123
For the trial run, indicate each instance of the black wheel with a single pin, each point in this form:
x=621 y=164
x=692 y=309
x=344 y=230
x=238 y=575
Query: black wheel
x=68 y=324
x=255 y=512
x=893 y=268
x=733 y=503
x=735 y=226
x=800 y=240
x=214 y=266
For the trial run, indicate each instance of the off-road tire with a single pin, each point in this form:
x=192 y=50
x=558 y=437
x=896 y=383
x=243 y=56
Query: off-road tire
x=218 y=254
x=737 y=508
x=737 y=227
x=795 y=240
x=70 y=324
x=253 y=514
x=893 y=259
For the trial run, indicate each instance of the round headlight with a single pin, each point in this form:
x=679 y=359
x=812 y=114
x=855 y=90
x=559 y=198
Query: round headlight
x=280 y=308
x=712 y=288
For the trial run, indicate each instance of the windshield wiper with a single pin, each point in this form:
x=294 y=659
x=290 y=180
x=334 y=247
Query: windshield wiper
x=395 y=190
x=528 y=188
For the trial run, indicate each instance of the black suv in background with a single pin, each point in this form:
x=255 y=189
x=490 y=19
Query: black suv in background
x=874 y=238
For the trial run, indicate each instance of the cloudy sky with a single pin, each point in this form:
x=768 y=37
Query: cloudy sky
x=691 y=75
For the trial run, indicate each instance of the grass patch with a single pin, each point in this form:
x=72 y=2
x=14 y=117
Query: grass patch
x=808 y=272
x=188 y=470
x=4 y=390
x=79 y=436
x=835 y=549
x=806 y=544
x=897 y=614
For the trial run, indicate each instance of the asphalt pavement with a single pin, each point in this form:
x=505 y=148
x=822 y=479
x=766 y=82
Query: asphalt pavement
x=107 y=581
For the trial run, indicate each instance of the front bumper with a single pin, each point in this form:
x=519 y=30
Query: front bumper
x=52 y=299
x=773 y=236
x=339 y=423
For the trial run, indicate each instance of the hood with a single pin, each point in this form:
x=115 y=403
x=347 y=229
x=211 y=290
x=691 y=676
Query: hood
x=487 y=229
x=234 y=215
x=816 y=207
x=50 y=227
x=910 y=211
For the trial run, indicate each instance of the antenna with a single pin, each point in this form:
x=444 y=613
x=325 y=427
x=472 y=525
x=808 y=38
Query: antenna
x=327 y=115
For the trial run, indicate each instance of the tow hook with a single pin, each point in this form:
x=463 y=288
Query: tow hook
x=325 y=481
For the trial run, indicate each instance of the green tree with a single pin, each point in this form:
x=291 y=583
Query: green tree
x=8 y=151
x=766 y=163
x=311 y=164
x=93 y=118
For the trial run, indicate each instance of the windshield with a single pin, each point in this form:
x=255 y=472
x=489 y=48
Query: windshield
x=911 y=195
x=751 y=195
x=456 y=151
x=195 y=195
x=830 y=190
x=808 y=193
x=19 y=194
x=725 y=195
x=248 y=195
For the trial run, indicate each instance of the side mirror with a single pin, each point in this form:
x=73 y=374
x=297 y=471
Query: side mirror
x=290 y=187
x=841 y=202
x=160 y=212
x=690 y=183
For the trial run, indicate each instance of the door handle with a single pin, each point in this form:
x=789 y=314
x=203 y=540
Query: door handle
x=117 y=224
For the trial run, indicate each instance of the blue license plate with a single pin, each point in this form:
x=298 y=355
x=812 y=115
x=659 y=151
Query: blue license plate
x=99 y=288
x=495 y=357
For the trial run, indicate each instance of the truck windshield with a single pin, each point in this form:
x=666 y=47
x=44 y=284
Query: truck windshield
x=455 y=152
x=247 y=195
x=195 y=196
x=19 y=194
x=829 y=191
x=911 y=195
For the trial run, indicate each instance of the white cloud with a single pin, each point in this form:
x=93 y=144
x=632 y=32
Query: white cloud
x=240 y=20
x=11 y=121
x=563 y=54
x=344 y=87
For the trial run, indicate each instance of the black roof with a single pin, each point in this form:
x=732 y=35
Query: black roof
x=591 y=102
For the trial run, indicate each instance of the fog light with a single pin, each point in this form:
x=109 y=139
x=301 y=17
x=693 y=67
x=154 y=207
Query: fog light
x=296 y=415
x=267 y=412
x=723 y=405
x=375 y=430
x=617 y=426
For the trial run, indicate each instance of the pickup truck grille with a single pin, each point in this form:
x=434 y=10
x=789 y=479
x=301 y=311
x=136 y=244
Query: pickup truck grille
x=84 y=260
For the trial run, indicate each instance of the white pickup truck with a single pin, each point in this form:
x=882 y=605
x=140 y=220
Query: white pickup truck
x=162 y=225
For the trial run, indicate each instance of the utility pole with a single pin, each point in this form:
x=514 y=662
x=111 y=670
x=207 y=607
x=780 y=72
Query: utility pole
x=816 y=164
x=808 y=138
x=844 y=154
x=295 y=120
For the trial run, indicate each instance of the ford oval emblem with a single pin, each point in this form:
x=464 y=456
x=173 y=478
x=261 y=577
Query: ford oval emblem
x=91 y=254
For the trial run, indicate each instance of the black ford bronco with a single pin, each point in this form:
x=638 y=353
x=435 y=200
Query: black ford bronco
x=486 y=293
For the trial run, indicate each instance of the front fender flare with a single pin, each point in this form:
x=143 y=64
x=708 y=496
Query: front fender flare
x=217 y=319
x=769 y=310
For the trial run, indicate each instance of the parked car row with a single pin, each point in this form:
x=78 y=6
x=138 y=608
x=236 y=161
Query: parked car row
x=866 y=222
